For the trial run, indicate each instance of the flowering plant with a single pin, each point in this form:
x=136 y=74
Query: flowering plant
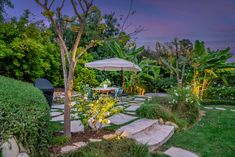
x=185 y=102
x=94 y=113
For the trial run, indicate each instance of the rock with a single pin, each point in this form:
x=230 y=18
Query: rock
x=68 y=148
x=172 y=124
x=161 y=121
x=179 y=152
x=23 y=155
x=80 y=144
x=95 y=140
x=109 y=136
x=10 y=148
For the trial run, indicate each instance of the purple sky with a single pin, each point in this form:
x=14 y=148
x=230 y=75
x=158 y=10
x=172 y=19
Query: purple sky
x=212 y=21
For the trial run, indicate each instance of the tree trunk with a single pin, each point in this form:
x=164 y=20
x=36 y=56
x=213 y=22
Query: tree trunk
x=68 y=96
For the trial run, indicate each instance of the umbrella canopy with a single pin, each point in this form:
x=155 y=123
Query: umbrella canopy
x=113 y=64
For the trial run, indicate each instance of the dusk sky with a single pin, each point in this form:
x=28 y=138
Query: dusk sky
x=212 y=21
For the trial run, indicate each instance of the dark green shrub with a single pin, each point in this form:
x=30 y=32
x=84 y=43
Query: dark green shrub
x=24 y=114
x=112 y=148
x=217 y=102
x=220 y=93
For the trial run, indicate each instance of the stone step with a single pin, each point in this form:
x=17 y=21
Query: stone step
x=179 y=152
x=136 y=127
x=154 y=137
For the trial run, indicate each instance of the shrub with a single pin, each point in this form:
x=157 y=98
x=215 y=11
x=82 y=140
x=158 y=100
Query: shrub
x=94 y=113
x=112 y=148
x=185 y=103
x=217 y=102
x=220 y=93
x=156 y=111
x=24 y=113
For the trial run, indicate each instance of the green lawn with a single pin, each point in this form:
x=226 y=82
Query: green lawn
x=213 y=136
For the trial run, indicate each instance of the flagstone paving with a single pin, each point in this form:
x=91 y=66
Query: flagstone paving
x=121 y=118
x=179 y=152
x=132 y=108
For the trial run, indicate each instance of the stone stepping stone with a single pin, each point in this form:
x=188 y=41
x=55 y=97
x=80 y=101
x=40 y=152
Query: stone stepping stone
x=77 y=126
x=58 y=106
x=218 y=108
x=210 y=108
x=132 y=108
x=121 y=118
x=139 y=99
x=55 y=114
x=68 y=148
x=155 y=136
x=58 y=118
x=179 y=152
x=136 y=126
x=232 y=110
x=73 y=147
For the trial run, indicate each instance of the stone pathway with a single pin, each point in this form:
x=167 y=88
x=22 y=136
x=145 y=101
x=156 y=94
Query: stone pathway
x=179 y=152
x=145 y=131
x=218 y=108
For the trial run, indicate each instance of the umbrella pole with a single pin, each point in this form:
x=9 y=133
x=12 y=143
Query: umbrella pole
x=122 y=78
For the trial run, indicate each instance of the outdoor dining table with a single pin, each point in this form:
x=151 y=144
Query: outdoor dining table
x=105 y=90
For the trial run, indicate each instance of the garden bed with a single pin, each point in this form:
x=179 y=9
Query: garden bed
x=59 y=140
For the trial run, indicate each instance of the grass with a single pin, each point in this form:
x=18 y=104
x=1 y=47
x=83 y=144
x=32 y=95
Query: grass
x=113 y=148
x=213 y=136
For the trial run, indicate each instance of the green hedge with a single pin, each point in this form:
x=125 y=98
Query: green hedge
x=24 y=113
x=217 y=102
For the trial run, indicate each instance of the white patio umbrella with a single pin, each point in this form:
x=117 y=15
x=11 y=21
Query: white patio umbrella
x=114 y=64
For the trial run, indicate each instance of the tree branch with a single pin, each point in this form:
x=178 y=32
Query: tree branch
x=90 y=45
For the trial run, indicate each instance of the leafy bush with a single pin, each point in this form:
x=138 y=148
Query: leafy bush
x=217 y=102
x=165 y=83
x=24 y=113
x=156 y=111
x=84 y=76
x=220 y=93
x=28 y=52
x=185 y=103
x=94 y=113
x=112 y=148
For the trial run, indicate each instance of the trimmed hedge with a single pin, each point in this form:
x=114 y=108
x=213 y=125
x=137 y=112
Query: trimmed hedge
x=24 y=113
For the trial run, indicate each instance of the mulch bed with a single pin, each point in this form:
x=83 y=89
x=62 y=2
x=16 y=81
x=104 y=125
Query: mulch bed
x=80 y=137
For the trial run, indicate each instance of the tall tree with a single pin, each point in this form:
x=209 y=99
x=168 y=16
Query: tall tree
x=4 y=3
x=69 y=55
